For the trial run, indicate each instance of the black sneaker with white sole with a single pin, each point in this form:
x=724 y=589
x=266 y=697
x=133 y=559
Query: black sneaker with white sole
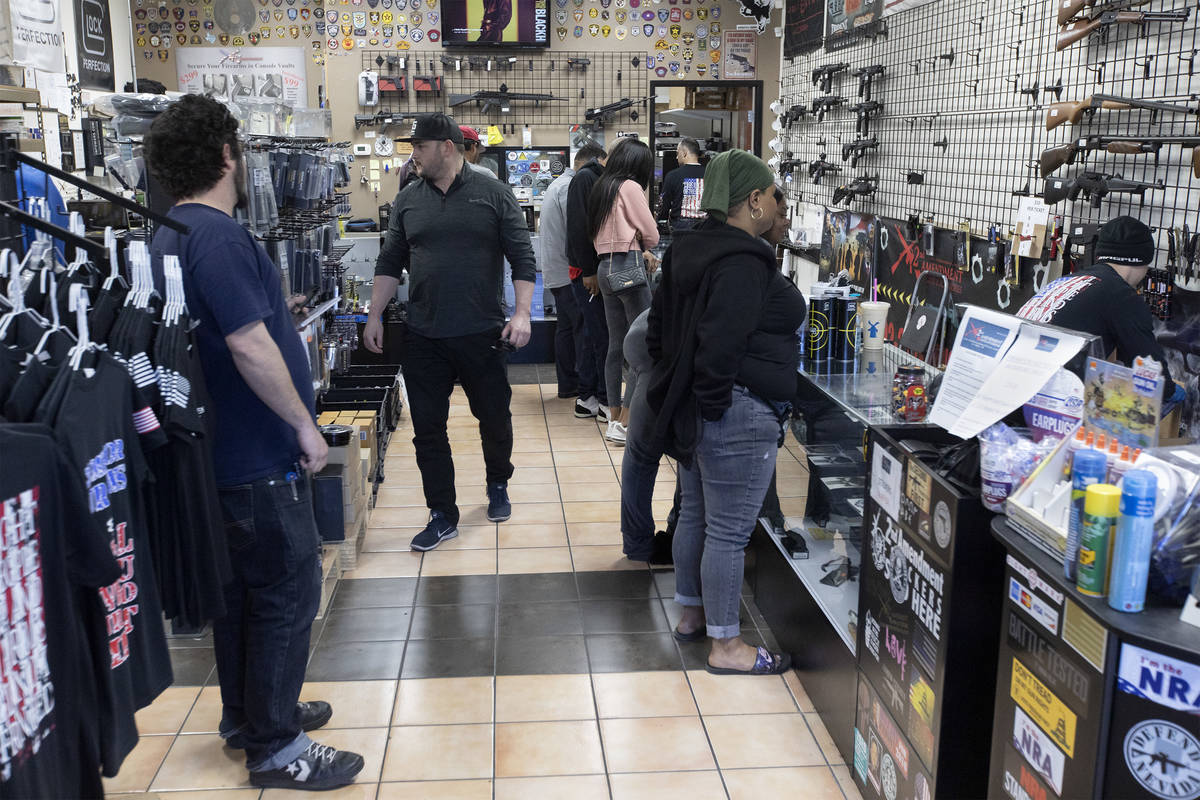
x=499 y=507
x=586 y=409
x=309 y=716
x=319 y=768
x=437 y=531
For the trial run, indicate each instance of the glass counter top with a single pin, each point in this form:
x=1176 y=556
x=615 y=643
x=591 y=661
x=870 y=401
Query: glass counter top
x=863 y=387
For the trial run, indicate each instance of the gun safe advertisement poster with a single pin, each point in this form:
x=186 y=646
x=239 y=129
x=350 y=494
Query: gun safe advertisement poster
x=804 y=22
x=274 y=73
x=847 y=18
x=741 y=49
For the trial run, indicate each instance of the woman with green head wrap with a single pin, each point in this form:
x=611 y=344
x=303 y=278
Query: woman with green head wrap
x=722 y=332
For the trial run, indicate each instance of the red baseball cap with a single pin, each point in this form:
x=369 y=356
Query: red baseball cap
x=469 y=134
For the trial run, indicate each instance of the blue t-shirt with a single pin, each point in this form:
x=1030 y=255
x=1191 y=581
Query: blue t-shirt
x=230 y=282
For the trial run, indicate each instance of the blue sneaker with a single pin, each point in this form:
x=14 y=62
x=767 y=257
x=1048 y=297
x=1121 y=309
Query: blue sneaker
x=437 y=531
x=499 y=508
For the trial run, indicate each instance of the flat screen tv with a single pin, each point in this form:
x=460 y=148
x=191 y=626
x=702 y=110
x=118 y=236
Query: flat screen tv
x=495 y=23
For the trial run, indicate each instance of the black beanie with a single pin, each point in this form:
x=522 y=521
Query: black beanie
x=1125 y=240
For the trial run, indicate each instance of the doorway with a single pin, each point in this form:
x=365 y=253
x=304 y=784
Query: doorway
x=719 y=115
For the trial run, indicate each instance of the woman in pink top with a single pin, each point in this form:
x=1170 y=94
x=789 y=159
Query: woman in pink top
x=623 y=232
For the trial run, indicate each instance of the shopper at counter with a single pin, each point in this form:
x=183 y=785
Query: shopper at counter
x=261 y=385
x=623 y=232
x=552 y=251
x=1103 y=300
x=722 y=332
x=581 y=255
x=451 y=231
x=679 y=204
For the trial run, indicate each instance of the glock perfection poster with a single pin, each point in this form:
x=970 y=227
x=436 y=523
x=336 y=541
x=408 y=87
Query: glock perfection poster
x=94 y=43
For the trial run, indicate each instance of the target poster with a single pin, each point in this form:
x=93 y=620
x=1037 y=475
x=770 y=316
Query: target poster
x=271 y=73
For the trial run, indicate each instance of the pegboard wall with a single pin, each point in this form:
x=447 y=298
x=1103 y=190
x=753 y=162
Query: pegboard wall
x=577 y=80
x=965 y=93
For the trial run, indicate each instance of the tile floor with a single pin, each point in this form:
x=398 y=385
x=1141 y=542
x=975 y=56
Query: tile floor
x=523 y=660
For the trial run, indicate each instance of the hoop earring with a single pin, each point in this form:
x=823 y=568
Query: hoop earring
x=757 y=216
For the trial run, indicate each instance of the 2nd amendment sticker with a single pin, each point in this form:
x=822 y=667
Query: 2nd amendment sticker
x=1044 y=707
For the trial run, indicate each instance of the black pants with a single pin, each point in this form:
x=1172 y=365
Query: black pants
x=568 y=340
x=431 y=366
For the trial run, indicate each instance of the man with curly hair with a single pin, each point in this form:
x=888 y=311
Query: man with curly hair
x=263 y=443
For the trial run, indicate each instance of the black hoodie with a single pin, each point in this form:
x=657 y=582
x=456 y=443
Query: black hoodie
x=722 y=282
x=580 y=252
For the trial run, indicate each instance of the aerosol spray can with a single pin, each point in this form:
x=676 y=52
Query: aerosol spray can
x=1088 y=468
x=1135 y=538
x=1101 y=507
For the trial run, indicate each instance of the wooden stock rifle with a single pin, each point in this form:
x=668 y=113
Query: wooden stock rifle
x=1073 y=112
x=1077 y=31
x=1055 y=157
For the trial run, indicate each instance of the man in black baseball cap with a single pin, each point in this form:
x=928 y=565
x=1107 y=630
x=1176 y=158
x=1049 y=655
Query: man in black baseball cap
x=1103 y=300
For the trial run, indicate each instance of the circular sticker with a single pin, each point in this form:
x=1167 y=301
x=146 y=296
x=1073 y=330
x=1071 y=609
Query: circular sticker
x=941 y=524
x=887 y=776
x=899 y=578
x=1156 y=747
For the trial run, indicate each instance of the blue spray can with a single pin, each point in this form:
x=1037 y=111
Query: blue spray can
x=1134 y=540
x=1088 y=467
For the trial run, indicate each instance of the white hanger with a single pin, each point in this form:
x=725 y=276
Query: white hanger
x=176 y=304
x=114 y=264
x=79 y=304
x=56 y=323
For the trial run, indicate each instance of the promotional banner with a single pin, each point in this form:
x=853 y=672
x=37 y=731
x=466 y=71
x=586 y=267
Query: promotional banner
x=276 y=73
x=848 y=19
x=896 y=6
x=803 y=26
x=741 y=54
x=37 y=37
x=93 y=32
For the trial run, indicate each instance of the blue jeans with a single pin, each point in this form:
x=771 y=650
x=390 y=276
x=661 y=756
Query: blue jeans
x=590 y=364
x=568 y=341
x=639 y=472
x=722 y=493
x=261 y=644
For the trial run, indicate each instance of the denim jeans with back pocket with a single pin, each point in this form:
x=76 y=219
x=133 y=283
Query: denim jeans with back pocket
x=262 y=642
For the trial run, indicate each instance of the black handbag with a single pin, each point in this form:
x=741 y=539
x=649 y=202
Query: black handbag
x=628 y=279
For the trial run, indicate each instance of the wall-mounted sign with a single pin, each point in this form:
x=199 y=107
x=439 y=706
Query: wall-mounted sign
x=93 y=33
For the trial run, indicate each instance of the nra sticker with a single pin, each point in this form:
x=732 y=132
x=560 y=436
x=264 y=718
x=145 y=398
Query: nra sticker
x=1043 y=707
x=1036 y=748
x=1160 y=679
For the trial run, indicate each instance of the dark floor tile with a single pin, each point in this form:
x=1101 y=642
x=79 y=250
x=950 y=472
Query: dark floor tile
x=617 y=585
x=453 y=622
x=450 y=658
x=539 y=588
x=665 y=581
x=457 y=590
x=523 y=373
x=541 y=655
x=540 y=619
x=179 y=641
x=695 y=654
x=624 y=616
x=192 y=666
x=632 y=652
x=367 y=625
x=675 y=613
x=355 y=661
x=375 y=593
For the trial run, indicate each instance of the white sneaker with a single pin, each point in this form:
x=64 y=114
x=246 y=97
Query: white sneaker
x=615 y=433
x=601 y=412
x=586 y=409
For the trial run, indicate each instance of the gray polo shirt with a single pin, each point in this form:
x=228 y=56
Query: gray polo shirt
x=453 y=246
x=552 y=231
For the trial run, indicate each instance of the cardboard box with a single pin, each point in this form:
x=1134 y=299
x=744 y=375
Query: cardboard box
x=327 y=418
x=350 y=459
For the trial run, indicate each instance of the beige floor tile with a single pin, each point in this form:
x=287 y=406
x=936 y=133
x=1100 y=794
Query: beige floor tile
x=601 y=558
x=824 y=740
x=356 y=704
x=528 y=749
x=539 y=459
x=400 y=473
x=533 y=475
x=811 y=783
x=585 y=476
x=607 y=491
x=523 y=445
x=600 y=511
x=650 y=743
x=595 y=458
x=546 y=535
x=763 y=740
x=412 y=516
x=577 y=444
x=540 y=698
x=594 y=533
x=386 y=565
x=668 y=786
x=792 y=679
x=205 y=716
x=459 y=562
x=439 y=752
x=201 y=762
x=168 y=711
x=439 y=701
x=534 y=560
x=398 y=498
x=533 y=493
x=219 y=794
x=661 y=508
x=740 y=694
x=359 y=790
x=643 y=694
x=846 y=781
x=577 y=787
x=471 y=537
x=441 y=790
x=535 y=514
x=141 y=765
x=389 y=540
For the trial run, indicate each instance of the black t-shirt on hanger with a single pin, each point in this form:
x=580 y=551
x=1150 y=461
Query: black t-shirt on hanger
x=48 y=552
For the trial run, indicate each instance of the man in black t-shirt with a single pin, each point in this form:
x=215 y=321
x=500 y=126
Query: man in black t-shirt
x=264 y=441
x=679 y=203
x=1103 y=300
